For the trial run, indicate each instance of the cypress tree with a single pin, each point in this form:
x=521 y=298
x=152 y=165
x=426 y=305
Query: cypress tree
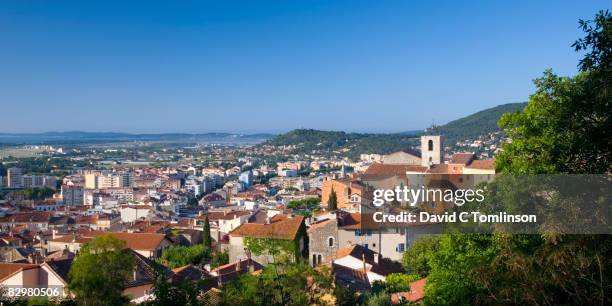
x=332 y=202
x=207 y=240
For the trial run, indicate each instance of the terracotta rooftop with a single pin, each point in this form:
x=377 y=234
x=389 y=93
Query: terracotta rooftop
x=286 y=229
x=320 y=224
x=222 y=215
x=485 y=164
x=134 y=241
x=231 y=267
x=462 y=158
x=416 y=293
x=8 y=269
x=37 y=217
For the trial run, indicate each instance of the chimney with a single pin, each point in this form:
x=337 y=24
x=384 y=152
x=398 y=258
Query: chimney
x=53 y=233
x=238 y=265
x=376 y=258
x=268 y=220
x=365 y=270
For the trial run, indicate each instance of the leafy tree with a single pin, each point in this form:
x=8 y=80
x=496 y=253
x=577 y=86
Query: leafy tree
x=219 y=259
x=332 y=202
x=417 y=256
x=184 y=292
x=346 y=296
x=206 y=238
x=455 y=267
x=281 y=251
x=564 y=129
x=298 y=284
x=37 y=193
x=382 y=298
x=396 y=282
x=566 y=126
x=100 y=271
x=597 y=42
x=178 y=256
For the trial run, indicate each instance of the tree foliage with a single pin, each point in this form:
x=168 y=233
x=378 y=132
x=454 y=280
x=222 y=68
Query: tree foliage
x=296 y=284
x=100 y=271
x=280 y=250
x=416 y=258
x=184 y=292
x=565 y=128
x=206 y=238
x=178 y=256
x=332 y=202
x=37 y=193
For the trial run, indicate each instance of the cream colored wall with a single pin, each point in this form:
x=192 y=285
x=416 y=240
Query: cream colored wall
x=57 y=246
x=15 y=280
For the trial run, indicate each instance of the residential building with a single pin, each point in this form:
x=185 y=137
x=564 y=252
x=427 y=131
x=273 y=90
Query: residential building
x=73 y=195
x=280 y=227
x=14 y=178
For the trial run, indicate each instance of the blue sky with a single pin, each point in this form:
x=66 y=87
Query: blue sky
x=272 y=66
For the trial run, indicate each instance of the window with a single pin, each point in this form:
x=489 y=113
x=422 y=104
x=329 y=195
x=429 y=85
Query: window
x=430 y=145
x=330 y=241
x=365 y=245
x=319 y=258
x=368 y=233
x=357 y=233
x=400 y=247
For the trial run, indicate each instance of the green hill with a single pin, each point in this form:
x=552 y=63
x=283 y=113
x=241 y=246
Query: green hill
x=472 y=126
x=309 y=141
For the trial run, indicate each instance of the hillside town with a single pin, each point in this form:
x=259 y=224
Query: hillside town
x=155 y=208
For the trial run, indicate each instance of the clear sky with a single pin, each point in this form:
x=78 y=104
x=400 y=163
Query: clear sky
x=272 y=66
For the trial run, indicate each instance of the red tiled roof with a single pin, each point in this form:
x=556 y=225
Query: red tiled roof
x=231 y=267
x=134 y=241
x=485 y=164
x=37 y=217
x=416 y=293
x=8 y=269
x=461 y=158
x=286 y=229
x=221 y=215
x=320 y=224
